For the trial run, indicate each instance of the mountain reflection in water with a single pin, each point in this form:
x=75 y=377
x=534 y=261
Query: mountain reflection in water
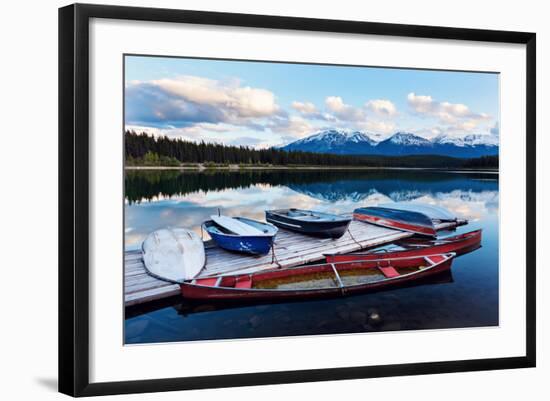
x=159 y=198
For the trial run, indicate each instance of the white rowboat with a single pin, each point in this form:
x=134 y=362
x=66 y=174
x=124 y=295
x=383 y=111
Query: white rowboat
x=173 y=254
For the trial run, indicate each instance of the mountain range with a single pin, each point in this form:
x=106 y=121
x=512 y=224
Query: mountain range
x=346 y=142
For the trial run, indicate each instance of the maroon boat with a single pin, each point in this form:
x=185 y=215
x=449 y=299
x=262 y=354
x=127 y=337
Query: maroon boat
x=322 y=280
x=459 y=244
x=403 y=220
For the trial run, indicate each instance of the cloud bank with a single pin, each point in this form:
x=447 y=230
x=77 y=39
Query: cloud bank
x=455 y=117
x=228 y=111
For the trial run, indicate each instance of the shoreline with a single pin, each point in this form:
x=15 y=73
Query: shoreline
x=243 y=168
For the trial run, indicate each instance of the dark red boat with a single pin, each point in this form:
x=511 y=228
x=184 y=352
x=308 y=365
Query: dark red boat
x=403 y=220
x=323 y=280
x=459 y=244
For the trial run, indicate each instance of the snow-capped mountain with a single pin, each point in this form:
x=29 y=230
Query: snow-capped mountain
x=400 y=143
x=404 y=143
x=407 y=139
x=334 y=141
x=468 y=140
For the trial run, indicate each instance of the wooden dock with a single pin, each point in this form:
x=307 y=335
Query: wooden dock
x=139 y=286
x=290 y=249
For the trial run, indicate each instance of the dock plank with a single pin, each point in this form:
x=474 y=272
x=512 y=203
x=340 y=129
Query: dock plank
x=140 y=297
x=300 y=249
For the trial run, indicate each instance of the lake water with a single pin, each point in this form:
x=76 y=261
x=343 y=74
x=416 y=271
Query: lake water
x=467 y=297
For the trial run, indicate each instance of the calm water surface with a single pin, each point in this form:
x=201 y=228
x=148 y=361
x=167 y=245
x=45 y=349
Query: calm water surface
x=467 y=297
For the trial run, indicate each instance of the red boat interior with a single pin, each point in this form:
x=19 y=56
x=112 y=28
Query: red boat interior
x=328 y=275
x=459 y=244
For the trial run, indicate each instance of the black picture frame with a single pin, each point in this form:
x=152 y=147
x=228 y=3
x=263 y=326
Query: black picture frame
x=74 y=201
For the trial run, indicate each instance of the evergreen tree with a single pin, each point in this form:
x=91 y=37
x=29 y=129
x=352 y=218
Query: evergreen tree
x=162 y=151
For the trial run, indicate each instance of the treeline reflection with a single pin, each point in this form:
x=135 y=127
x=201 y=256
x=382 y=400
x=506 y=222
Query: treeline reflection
x=147 y=185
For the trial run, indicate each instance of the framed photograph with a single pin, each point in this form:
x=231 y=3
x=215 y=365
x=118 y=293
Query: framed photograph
x=250 y=199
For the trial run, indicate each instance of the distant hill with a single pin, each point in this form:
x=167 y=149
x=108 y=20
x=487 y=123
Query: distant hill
x=343 y=142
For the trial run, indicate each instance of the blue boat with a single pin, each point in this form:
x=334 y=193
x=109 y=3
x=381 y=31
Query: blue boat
x=239 y=234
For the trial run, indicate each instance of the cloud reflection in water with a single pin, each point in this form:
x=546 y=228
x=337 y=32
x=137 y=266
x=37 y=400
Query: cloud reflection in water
x=170 y=205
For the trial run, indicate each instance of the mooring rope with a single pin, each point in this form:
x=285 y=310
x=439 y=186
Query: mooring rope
x=353 y=238
x=274 y=257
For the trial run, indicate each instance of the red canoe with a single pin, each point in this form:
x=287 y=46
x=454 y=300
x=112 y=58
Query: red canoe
x=459 y=244
x=323 y=280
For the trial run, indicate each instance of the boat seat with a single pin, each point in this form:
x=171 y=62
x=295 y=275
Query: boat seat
x=307 y=218
x=209 y=281
x=388 y=271
x=243 y=282
x=296 y=214
x=435 y=259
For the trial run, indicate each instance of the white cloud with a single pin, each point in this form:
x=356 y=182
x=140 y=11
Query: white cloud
x=359 y=118
x=421 y=103
x=467 y=125
x=457 y=116
x=310 y=111
x=196 y=108
x=190 y=100
x=444 y=111
x=343 y=111
x=293 y=126
x=304 y=107
x=335 y=103
x=383 y=127
x=382 y=107
x=243 y=101
x=457 y=109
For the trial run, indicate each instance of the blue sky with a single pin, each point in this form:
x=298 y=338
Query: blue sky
x=264 y=104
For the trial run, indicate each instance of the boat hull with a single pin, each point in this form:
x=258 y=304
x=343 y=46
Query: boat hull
x=413 y=222
x=327 y=229
x=211 y=291
x=459 y=244
x=436 y=213
x=254 y=245
x=173 y=254
x=248 y=244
